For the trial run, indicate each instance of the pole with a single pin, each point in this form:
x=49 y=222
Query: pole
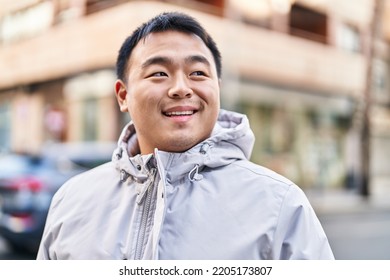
x=367 y=100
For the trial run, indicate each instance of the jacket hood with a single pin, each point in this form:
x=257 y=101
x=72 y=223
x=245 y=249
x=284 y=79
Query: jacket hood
x=231 y=140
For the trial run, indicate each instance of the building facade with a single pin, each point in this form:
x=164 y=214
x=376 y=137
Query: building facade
x=298 y=69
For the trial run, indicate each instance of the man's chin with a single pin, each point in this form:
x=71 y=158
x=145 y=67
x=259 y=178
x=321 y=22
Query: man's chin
x=178 y=144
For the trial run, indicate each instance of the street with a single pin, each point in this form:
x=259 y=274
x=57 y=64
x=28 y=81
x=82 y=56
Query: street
x=363 y=235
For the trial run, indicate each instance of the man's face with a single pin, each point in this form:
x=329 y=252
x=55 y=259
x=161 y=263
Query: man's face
x=172 y=91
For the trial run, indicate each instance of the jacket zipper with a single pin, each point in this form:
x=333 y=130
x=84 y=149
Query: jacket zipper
x=139 y=249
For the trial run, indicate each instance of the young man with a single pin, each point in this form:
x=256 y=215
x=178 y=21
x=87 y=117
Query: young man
x=180 y=185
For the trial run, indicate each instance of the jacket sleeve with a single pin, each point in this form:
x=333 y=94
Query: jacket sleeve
x=299 y=234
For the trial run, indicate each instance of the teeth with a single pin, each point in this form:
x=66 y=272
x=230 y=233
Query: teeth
x=182 y=113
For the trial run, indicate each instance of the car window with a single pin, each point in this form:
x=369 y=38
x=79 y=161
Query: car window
x=15 y=164
x=89 y=163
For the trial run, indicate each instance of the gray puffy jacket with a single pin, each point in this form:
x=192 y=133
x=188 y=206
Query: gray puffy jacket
x=209 y=202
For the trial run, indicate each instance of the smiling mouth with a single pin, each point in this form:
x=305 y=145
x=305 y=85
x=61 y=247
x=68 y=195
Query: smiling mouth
x=179 y=113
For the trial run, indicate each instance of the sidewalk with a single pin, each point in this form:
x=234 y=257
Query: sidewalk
x=344 y=201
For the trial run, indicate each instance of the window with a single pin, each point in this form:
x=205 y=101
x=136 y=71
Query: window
x=90 y=119
x=216 y=3
x=27 y=23
x=94 y=6
x=251 y=12
x=5 y=127
x=308 y=24
x=380 y=86
x=348 y=38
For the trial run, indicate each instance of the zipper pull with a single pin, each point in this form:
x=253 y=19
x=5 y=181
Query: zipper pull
x=142 y=193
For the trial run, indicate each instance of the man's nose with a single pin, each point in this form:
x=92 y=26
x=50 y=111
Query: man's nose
x=180 y=87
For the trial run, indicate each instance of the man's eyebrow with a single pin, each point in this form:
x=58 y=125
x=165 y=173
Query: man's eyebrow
x=163 y=60
x=197 y=58
x=159 y=60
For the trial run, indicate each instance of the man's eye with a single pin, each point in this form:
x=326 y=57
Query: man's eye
x=159 y=74
x=198 y=73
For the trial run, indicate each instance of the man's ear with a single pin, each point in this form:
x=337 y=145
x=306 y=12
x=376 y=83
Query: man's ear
x=121 y=93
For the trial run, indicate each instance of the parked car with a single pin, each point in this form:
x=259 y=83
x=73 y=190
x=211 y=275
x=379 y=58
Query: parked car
x=28 y=183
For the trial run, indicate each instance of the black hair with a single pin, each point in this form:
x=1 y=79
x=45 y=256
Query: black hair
x=164 y=22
